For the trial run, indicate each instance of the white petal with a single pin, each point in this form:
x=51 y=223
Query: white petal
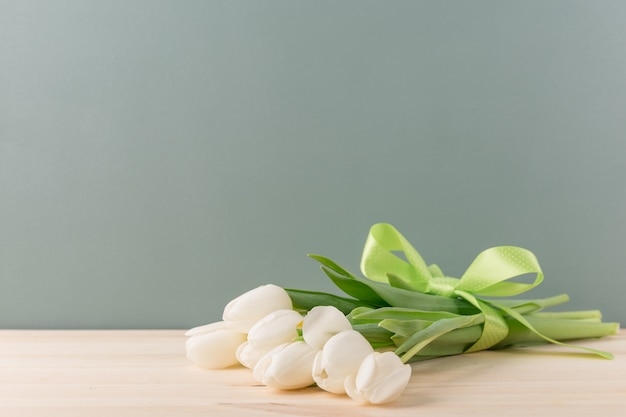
x=392 y=387
x=381 y=378
x=291 y=367
x=261 y=367
x=340 y=358
x=321 y=323
x=207 y=328
x=352 y=391
x=214 y=350
x=276 y=328
x=376 y=367
x=248 y=354
x=244 y=311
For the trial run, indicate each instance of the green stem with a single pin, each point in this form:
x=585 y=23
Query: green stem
x=587 y=315
x=530 y=306
x=554 y=328
x=457 y=341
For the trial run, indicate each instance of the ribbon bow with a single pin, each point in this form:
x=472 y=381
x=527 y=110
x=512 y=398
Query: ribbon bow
x=488 y=275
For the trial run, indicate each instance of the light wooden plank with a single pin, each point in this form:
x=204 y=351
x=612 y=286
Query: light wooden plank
x=145 y=373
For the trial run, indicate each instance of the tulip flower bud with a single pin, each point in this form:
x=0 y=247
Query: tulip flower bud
x=287 y=366
x=321 y=323
x=381 y=378
x=244 y=311
x=340 y=358
x=213 y=346
x=272 y=330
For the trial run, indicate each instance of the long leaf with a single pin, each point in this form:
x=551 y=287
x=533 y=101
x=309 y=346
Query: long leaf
x=305 y=300
x=422 y=338
x=523 y=320
x=531 y=306
x=553 y=328
x=330 y=264
x=381 y=294
x=354 y=288
x=453 y=343
x=404 y=328
x=398 y=297
x=400 y=313
x=375 y=335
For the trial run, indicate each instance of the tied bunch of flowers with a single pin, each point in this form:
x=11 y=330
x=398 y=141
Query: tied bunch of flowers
x=261 y=331
x=402 y=311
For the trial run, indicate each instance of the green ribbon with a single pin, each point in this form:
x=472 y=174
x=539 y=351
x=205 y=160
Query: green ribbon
x=490 y=274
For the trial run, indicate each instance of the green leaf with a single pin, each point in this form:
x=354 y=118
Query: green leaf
x=453 y=343
x=594 y=316
x=382 y=294
x=354 y=288
x=554 y=328
x=305 y=300
x=524 y=321
x=375 y=335
x=419 y=340
x=331 y=265
x=398 y=297
x=360 y=310
x=404 y=328
x=531 y=306
x=399 y=313
x=397 y=282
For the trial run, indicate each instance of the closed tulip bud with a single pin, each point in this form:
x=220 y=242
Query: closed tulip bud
x=340 y=358
x=244 y=311
x=272 y=330
x=381 y=378
x=287 y=366
x=322 y=323
x=213 y=346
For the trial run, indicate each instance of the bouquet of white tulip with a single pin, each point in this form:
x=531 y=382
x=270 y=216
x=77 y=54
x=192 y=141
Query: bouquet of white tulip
x=404 y=311
x=288 y=351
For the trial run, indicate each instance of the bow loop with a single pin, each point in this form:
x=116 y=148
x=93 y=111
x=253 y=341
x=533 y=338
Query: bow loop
x=378 y=258
x=487 y=273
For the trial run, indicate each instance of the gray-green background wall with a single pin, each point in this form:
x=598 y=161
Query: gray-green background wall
x=157 y=158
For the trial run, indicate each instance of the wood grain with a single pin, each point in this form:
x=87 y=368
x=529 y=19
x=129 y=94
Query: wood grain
x=145 y=373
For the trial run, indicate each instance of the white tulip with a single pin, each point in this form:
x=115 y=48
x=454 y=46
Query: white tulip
x=244 y=311
x=287 y=366
x=341 y=357
x=272 y=330
x=207 y=328
x=322 y=323
x=213 y=346
x=381 y=378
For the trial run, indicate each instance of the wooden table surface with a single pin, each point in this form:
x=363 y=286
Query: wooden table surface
x=145 y=373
